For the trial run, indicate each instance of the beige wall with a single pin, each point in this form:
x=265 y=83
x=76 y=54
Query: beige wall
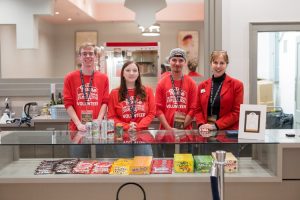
x=26 y=63
x=118 y=32
x=55 y=57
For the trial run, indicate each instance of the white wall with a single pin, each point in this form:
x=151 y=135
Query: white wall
x=22 y=14
x=236 y=16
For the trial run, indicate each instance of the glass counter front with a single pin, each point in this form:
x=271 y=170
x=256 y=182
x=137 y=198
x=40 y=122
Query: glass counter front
x=261 y=163
x=143 y=137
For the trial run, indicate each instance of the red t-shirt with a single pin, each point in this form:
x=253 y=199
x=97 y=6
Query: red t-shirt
x=167 y=73
x=73 y=93
x=166 y=102
x=120 y=112
x=194 y=74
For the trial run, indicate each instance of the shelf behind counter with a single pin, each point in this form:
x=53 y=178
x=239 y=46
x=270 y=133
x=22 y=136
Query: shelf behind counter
x=46 y=122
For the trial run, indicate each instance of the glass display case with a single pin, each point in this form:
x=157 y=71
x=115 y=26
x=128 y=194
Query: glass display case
x=260 y=164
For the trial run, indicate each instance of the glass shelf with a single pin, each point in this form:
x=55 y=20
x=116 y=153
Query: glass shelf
x=142 y=137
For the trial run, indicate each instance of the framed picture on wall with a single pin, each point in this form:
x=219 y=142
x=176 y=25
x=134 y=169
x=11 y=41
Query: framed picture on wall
x=82 y=37
x=189 y=41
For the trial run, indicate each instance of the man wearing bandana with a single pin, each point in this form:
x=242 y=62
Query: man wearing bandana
x=175 y=95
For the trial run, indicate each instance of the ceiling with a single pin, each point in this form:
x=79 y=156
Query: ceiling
x=66 y=10
x=91 y=11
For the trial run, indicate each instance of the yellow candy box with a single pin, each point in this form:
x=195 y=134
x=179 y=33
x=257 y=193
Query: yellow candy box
x=141 y=165
x=183 y=163
x=121 y=166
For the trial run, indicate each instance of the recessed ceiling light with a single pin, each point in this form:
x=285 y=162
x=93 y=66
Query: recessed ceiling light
x=150 y=34
x=57 y=13
x=69 y=19
x=151 y=31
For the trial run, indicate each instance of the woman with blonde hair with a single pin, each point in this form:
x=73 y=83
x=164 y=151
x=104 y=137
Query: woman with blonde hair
x=219 y=97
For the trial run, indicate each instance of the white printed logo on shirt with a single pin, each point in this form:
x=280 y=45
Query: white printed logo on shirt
x=139 y=110
x=171 y=101
x=93 y=98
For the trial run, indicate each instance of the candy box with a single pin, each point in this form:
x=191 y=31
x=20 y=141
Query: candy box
x=102 y=167
x=231 y=162
x=84 y=167
x=203 y=163
x=141 y=165
x=183 y=163
x=121 y=166
x=162 y=166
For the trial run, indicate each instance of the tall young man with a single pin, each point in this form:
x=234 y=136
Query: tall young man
x=85 y=91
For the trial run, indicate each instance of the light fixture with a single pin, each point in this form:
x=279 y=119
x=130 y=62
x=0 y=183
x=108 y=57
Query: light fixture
x=153 y=30
x=57 y=13
x=145 y=10
x=69 y=19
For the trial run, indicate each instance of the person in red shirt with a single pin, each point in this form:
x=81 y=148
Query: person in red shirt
x=85 y=91
x=219 y=97
x=175 y=95
x=85 y=96
x=133 y=105
x=192 y=65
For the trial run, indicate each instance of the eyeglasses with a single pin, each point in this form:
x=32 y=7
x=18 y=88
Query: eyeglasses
x=87 y=53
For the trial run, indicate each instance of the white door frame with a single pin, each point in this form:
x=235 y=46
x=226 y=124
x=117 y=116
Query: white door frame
x=297 y=87
x=254 y=28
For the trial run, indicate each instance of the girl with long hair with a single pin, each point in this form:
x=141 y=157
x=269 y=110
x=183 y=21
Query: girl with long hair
x=132 y=104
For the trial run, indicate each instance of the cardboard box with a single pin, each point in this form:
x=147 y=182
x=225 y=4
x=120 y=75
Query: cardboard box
x=183 y=163
x=203 y=163
x=264 y=91
x=231 y=162
x=269 y=104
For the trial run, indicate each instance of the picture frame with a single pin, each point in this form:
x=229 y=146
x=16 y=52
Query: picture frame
x=252 y=121
x=82 y=37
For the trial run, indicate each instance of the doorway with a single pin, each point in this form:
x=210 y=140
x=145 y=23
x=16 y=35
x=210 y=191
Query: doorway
x=297 y=93
x=275 y=67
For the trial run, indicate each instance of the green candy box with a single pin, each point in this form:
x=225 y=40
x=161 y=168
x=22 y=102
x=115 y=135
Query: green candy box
x=203 y=163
